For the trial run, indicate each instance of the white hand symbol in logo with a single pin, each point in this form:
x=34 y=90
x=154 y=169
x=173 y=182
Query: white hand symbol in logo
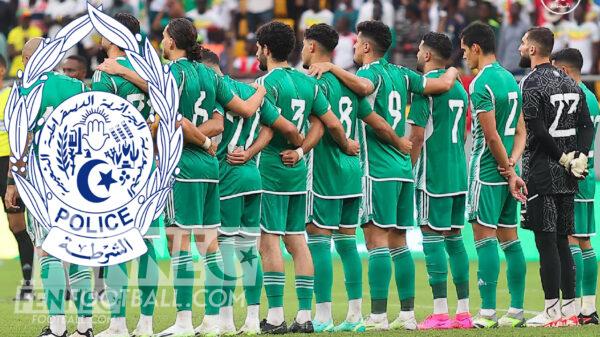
x=95 y=136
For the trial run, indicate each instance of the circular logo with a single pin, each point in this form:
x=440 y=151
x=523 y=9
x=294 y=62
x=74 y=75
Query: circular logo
x=560 y=7
x=95 y=153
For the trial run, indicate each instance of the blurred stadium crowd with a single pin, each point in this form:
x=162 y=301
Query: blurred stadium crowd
x=226 y=26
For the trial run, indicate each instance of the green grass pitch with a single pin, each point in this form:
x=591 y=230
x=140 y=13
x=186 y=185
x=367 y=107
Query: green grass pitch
x=16 y=322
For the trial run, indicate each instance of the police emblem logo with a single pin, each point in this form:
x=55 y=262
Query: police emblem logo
x=560 y=7
x=93 y=182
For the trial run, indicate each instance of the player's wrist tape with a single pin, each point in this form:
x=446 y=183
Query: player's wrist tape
x=10 y=181
x=300 y=152
x=207 y=144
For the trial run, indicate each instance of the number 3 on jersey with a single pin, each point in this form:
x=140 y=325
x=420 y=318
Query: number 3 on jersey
x=199 y=112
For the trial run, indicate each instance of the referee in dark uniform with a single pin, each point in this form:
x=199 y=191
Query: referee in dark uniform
x=559 y=135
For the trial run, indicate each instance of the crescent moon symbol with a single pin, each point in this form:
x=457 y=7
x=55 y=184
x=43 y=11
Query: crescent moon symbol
x=83 y=177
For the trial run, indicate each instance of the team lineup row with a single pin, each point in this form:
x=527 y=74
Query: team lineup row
x=333 y=156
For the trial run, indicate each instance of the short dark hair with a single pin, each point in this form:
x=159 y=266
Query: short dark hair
x=543 y=38
x=569 y=56
x=480 y=34
x=377 y=32
x=129 y=21
x=209 y=57
x=278 y=37
x=440 y=43
x=324 y=34
x=78 y=58
x=2 y=62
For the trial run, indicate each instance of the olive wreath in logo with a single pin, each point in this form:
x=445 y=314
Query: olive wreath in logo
x=21 y=116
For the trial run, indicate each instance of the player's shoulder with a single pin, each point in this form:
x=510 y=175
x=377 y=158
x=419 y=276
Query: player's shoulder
x=482 y=79
x=55 y=77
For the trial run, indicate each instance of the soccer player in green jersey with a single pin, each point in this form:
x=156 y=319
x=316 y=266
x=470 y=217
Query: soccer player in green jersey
x=440 y=166
x=57 y=89
x=284 y=174
x=117 y=278
x=336 y=190
x=498 y=143
x=194 y=207
x=240 y=188
x=389 y=192
x=570 y=61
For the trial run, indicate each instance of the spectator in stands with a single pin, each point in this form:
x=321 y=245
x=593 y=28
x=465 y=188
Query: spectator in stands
x=452 y=22
x=343 y=55
x=383 y=8
x=346 y=10
x=61 y=12
x=583 y=35
x=8 y=10
x=486 y=13
x=203 y=18
x=173 y=9
x=17 y=38
x=313 y=15
x=410 y=33
x=216 y=41
x=246 y=66
x=259 y=12
x=119 y=6
x=75 y=66
x=510 y=37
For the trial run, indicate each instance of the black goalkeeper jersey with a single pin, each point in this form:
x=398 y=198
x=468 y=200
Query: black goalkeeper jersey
x=555 y=100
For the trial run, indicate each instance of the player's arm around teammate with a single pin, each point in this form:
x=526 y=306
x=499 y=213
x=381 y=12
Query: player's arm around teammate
x=243 y=108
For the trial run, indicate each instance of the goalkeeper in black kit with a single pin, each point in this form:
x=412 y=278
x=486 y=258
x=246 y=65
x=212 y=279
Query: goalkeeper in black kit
x=559 y=135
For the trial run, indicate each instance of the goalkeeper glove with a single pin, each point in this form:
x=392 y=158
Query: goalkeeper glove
x=566 y=159
x=579 y=166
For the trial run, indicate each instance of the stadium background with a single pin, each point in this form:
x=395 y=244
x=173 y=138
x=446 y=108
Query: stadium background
x=226 y=26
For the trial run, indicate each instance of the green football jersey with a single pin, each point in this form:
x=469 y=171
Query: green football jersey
x=119 y=86
x=392 y=84
x=441 y=169
x=57 y=89
x=334 y=173
x=235 y=180
x=296 y=95
x=201 y=91
x=587 y=187
x=505 y=100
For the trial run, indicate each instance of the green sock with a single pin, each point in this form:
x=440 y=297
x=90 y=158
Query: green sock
x=54 y=282
x=148 y=279
x=380 y=275
x=578 y=261
x=183 y=279
x=404 y=268
x=227 y=248
x=437 y=267
x=516 y=271
x=80 y=279
x=213 y=298
x=590 y=272
x=305 y=285
x=274 y=284
x=320 y=250
x=345 y=245
x=116 y=283
x=459 y=264
x=488 y=270
x=252 y=277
